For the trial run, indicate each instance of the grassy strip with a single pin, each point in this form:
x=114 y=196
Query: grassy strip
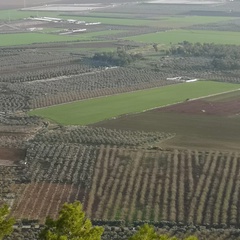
x=97 y=109
x=175 y=36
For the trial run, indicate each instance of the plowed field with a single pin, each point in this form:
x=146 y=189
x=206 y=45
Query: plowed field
x=203 y=107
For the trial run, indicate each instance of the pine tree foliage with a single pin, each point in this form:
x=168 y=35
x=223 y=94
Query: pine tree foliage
x=70 y=225
x=6 y=223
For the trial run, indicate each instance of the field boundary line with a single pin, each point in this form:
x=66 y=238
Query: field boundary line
x=192 y=99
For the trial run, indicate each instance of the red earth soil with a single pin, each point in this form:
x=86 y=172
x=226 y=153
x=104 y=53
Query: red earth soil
x=39 y=200
x=227 y=108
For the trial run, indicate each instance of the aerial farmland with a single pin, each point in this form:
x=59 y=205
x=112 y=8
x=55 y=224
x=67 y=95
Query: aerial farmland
x=131 y=108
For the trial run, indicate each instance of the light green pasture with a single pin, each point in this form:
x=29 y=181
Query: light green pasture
x=98 y=109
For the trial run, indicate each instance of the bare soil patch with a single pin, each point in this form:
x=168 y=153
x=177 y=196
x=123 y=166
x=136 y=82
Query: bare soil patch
x=10 y=156
x=194 y=131
x=202 y=107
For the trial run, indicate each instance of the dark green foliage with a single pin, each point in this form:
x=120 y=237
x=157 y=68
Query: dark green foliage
x=71 y=224
x=117 y=58
x=147 y=232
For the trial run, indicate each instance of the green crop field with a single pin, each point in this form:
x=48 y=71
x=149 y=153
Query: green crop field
x=97 y=109
x=161 y=22
x=116 y=19
x=29 y=38
x=185 y=21
x=175 y=36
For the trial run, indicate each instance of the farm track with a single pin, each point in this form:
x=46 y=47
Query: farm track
x=65 y=77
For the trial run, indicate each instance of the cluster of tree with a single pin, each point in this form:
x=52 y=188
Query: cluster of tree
x=72 y=224
x=116 y=58
x=225 y=57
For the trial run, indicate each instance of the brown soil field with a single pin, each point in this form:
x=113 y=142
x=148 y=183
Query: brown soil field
x=228 y=108
x=231 y=96
x=8 y=155
x=39 y=200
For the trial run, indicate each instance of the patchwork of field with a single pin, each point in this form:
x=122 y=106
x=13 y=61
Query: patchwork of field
x=121 y=26
x=98 y=109
x=119 y=135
